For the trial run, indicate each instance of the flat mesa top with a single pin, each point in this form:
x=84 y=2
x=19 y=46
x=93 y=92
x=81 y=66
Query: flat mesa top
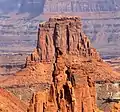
x=61 y=18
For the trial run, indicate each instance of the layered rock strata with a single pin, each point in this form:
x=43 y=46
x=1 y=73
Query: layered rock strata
x=10 y=103
x=69 y=6
x=64 y=33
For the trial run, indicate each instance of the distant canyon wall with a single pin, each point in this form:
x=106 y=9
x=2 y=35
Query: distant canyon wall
x=47 y=6
x=81 y=6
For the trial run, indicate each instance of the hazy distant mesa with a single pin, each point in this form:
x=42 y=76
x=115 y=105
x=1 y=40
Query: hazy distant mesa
x=46 y=6
x=81 y=6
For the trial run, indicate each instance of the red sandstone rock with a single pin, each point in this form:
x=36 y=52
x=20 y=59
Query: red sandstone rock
x=115 y=107
x=9 y=103
x=66 y=34
x=66 y=94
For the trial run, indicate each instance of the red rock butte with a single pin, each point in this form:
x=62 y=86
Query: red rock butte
x=64 y=33
x=76 y=65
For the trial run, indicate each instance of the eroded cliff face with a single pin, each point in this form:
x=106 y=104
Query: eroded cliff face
x=64 y=33
x=62 y=43
x=67 y=93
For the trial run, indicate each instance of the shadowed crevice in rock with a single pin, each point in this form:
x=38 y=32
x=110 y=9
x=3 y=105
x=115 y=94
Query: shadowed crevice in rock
x=68 y=40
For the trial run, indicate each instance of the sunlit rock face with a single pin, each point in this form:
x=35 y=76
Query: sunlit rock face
x=66 y=93
x=64 y=33
x=10 y=103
